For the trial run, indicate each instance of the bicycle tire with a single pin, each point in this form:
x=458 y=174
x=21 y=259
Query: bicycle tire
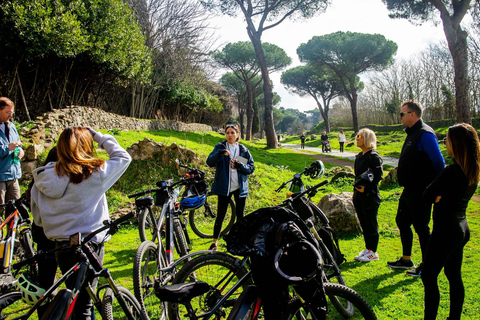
x=108 y=302
x=202 y=220
x=210 y=268
x=362 y=310
x=180 y=241
x=146 y=229
x=145 y=271
x=331 y=272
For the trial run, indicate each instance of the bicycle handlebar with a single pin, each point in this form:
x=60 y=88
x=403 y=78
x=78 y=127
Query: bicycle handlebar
x=308 y=190
x=112 y=225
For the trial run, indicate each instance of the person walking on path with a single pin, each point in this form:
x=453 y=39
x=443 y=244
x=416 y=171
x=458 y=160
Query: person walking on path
x=68 y=196
x=366 y=194
x=342 y=139
x=324 y=138
x=233 y=164
x=10 y=154
x=450 y=192
x=302 y=141
x=419 y=163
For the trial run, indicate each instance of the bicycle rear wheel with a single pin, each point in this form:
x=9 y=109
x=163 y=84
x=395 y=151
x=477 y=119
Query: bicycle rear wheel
x=202 y=220
x=146 y=271
x=111 y=308
x=214 y=269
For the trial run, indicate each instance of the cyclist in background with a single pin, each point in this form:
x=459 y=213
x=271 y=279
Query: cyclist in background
x=68 y=196
x=450 y=192
x=233 y=164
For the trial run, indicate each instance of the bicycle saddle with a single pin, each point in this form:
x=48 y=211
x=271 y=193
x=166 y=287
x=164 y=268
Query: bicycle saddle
x=181 y=292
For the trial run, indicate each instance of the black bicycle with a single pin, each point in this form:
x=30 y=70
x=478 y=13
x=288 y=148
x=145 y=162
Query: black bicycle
x=16 y=243
x=61 y=306
x=223 y=287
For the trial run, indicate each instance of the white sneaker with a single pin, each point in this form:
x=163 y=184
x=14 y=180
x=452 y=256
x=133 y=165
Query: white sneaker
x=360 y=254
x=368 y=256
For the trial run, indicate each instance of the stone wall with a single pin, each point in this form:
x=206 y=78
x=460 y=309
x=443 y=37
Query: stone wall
x=48 y=127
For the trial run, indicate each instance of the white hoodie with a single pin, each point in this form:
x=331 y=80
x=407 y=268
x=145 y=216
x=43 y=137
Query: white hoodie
x=63 y=208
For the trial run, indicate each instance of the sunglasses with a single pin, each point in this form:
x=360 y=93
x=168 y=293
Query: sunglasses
x=230 y=126
x=404 y=113
x=359 y=137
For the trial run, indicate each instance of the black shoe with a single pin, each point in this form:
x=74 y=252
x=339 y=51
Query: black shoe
x=213 y=247
x=417 y=272
x=401 y=264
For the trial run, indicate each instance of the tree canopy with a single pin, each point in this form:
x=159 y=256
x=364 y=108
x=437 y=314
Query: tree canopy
x=348 y=54
x=267 y=14
x=320 y=83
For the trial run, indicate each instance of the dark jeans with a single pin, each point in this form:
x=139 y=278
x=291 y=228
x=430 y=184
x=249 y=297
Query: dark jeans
x=412 y=210
x=367 y=212
x=47 y=266
x=445 y=250
x=67 y=259
x=223 y=202
x=341 y=146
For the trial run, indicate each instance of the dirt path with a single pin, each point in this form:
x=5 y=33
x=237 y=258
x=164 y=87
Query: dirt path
x=327 y=159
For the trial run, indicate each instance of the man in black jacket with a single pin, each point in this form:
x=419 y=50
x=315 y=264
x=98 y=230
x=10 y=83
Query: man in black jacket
x=420 y=161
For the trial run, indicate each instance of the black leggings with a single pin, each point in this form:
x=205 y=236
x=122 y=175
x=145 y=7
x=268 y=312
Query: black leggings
x=223 y=202
x=445 y=250
x=367 y=212
x=341 y=146
x=412 y=210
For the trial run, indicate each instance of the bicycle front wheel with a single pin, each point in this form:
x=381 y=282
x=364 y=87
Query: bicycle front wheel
x=180 y=241
x=202 y=220
x=361 y=308
x=221 y=271
x=146 y=270
x=110 y=303
x=147 y=219
x=334 y=275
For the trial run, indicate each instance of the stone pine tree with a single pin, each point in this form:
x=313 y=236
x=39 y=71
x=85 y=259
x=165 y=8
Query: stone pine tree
x=349 y=54
x=319 y=83
x=451 y=13
x=240 y=57
x=261 y=15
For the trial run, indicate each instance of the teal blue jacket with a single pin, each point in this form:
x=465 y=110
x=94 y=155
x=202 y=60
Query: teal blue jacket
x=9 y=170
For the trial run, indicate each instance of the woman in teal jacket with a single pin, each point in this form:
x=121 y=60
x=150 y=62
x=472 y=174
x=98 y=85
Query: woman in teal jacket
x=234 y=163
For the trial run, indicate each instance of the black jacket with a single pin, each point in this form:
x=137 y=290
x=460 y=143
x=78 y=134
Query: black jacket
x=370 y=160
x=415 y=169
x=451 y=184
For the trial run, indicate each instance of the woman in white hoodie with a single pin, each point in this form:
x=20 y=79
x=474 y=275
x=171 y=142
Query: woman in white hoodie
x=69 y=195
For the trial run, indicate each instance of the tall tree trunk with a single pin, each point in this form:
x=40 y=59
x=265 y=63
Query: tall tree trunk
x=248 y=135
x=267 y=90
x=457 y=44
x=353 y=104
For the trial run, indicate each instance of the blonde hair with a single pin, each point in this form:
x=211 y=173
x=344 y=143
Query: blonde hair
x=76 y=155
x=463 y=140
x=369 y=138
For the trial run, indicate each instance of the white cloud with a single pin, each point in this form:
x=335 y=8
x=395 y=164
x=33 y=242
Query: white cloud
x=365 y=16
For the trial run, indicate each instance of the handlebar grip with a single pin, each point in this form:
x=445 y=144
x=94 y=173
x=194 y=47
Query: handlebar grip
x=321 y=184
x=141 y=193
x=124 y=218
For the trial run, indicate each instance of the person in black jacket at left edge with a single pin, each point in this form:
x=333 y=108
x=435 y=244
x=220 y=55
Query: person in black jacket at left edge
x=233 y=164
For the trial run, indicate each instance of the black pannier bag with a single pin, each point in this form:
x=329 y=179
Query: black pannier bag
x=330 y=239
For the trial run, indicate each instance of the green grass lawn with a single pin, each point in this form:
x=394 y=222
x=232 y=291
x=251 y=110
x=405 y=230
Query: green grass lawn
x=392 y=294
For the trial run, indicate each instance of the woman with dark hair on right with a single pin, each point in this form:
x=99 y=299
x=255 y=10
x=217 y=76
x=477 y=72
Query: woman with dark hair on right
x=450 y=192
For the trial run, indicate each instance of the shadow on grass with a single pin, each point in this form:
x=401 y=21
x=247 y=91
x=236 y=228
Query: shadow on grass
x=373 y=291
x=120 y=263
